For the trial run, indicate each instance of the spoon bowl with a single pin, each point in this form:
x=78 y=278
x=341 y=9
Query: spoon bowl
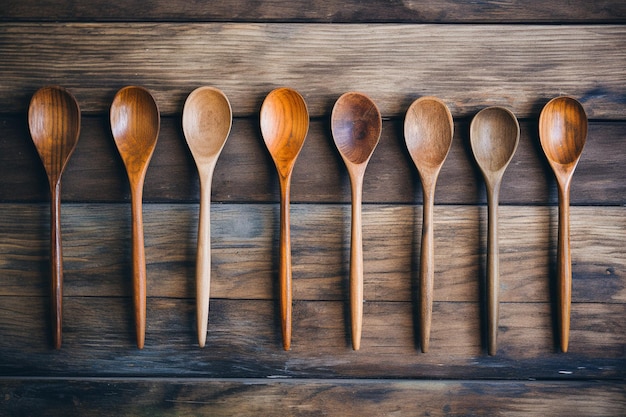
x=563 y=133
x=284 y=122
x=135 y=124
x=494 y=135
x=54 y=124
x=428 y=132
x=356 y=126
x=207 y=120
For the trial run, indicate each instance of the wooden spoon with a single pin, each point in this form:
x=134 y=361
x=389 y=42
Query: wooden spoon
x=428 y=131
x=494 y=135
x=54 y=123
x=207 y=119
x=284 y=126
x=563 y=132
x=135 y=126
x=356 y=125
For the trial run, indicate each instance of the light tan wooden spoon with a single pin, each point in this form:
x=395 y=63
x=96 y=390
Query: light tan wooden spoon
x=54 y=123
x=284 y=126
x=207 y=119
x=494 y=135
x=356 y=126
x=428 y=132
x=563 y=133
x=135 y=126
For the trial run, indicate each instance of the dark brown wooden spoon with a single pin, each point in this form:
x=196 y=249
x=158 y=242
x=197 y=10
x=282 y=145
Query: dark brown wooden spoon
x=284 y=126
x=54 y=123
x=428 y=132
x=207 y=119
x=494 y=135
x=356 y=126
x=563 y=133
x=135 y=126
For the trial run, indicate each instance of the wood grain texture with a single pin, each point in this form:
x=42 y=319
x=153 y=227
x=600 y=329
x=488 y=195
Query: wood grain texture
x=517 y=66
x=245 y=341
x=245 y=254
x=350 y=11
x=245 y=173
x=301 y=397
x=471 y=55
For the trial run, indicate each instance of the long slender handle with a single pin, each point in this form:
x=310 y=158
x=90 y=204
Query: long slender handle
x=284 y=274
x=493 y=270
x=56 y=261
x=564 y=269
x=203 y=262
x=356 y=264
x=139 y=265
x=427 y=270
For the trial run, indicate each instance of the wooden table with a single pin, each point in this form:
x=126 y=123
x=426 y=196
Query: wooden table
x=471 y=55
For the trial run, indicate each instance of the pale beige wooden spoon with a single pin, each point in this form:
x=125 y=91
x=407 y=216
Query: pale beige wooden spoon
x=563 y=133
x=135 y=124
x=356 y=126
x=428 y=132
x=284 y=126
x=54 y=123
x=494 y=135
x=207 y=119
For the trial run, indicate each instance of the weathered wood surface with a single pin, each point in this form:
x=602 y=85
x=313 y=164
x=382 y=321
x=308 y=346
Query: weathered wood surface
x=349 y=11
x=512 y=53
x=244 y=341
x=469 y=66
x=256 y=397
x=245 y=252
x=245 y=172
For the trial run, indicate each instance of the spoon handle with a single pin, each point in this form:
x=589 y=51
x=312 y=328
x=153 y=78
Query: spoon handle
x=356 y=263
x=284 y=274
x=427 y=270
x=139 y=265
x=564 y=268
x=493 y=269
x=203 y=261
x=56 y=255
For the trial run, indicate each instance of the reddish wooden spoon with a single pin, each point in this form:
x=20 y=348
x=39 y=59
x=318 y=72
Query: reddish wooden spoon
x=135 y=126
x=563 y=133
x=356 y=125
x=54 y=123
x=284 y=126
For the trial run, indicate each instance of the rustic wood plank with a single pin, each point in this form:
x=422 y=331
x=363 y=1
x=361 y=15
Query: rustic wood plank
x=245 y=250
x=244 y=341
x=298 y=397
x=245 y=171
x=519 y=66
x=352 y=11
